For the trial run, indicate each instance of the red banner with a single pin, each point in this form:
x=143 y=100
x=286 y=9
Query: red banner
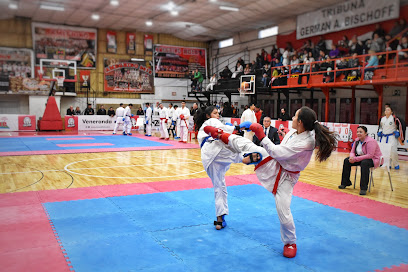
x=71 y=122
x=26 y=122
x=174 y=61
x=282 y=126
x=85 y=78
x=131 y=43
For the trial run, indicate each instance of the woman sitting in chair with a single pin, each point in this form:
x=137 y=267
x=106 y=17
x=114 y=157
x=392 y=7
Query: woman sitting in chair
x=366 y=153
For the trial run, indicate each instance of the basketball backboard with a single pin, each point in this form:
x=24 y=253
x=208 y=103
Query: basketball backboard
x=247 y=85
x=55 y=70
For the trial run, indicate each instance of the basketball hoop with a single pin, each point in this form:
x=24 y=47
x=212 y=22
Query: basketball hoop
x=60 y=81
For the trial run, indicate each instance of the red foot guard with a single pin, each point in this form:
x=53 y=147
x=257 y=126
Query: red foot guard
x=289 y=250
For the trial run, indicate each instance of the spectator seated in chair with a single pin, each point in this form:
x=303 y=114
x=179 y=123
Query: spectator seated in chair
x=366 y=153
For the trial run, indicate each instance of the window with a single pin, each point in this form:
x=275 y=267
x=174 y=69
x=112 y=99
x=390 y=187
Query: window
x=226 y=43
x=272 y=31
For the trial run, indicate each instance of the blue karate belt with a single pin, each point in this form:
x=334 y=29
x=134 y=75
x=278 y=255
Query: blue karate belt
x=386 y=135
x=205 y=140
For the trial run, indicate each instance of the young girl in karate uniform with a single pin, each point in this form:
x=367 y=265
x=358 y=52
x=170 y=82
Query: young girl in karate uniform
x=216 y=159
x=278 y=166
x=389 y=131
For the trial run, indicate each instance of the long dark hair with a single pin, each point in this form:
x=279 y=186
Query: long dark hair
x=201 y=116
x=325 y=140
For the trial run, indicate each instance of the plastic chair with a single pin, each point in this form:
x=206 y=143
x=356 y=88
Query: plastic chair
x=371 y=177
x=385 y=165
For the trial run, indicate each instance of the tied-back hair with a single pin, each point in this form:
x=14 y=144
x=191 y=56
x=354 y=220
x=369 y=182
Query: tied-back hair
x=325 y=140
x=201 y=116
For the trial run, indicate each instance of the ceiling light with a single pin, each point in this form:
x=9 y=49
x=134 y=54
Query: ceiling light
x=229 y=8
x=114 y=2
x=13 y=5
x=134 y=59
x=174 y=12
x=213 y=1
x=170 y=5
x=149 y=23
x=52 y=7
x=95 y=16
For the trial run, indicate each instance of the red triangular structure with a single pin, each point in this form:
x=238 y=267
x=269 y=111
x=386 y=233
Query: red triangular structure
x=52 y=118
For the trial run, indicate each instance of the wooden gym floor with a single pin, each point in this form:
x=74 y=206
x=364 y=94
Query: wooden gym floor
x=60 y=171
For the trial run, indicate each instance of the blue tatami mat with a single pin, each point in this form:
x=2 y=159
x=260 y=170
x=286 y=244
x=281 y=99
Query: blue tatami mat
x=174 y=231
x=41 y=143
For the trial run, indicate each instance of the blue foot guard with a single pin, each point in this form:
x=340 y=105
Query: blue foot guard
x=220 y=225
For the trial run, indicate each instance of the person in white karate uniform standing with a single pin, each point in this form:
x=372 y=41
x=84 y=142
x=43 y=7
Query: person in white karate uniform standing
x=119 y=117
x=148 y=120
x=163 y=115
x=184 y=115
x=127 y=125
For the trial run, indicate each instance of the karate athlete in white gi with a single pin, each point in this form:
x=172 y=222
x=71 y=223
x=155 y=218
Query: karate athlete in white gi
x=170 y=112
x=249 y=115
x=216 y=158
x=119 y=117
x=184 y=115
x=278 y=166
x=148 y=120
x=163 y=115
x=388 y=133
x=127 y=125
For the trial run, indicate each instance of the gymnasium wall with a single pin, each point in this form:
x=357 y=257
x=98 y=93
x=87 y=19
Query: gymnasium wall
x=17 y=33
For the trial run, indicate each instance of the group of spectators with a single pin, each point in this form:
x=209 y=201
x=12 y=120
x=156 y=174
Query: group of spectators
x=272 y=67
x=90 y=111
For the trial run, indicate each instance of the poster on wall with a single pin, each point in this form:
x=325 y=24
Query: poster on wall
x=346 y=15
x=85 y=78
x=131 y=43
x=127 y=77
x=176 y=61
x=148 y=44
x=111 y=44
x=16 y=64
x=65 y=43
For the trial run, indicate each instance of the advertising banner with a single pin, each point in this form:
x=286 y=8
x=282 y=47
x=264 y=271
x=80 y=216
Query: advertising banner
x=26 y=123
x=65 y=43
x=131 y=77
x=71 y=122
x=177 y=61
x=346 y=15
x=15 y=65
x=96 y=122
x=16 y=122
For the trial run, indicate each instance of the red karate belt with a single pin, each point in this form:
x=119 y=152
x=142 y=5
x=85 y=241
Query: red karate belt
x=163 y=118
x=185 y=122
x=275 y=186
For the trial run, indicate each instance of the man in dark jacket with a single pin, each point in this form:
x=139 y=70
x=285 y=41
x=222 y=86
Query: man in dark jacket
x=101 y=111
x=270 y=131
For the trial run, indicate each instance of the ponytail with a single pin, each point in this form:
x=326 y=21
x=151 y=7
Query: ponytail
x=201 y=116
x=325 y=140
